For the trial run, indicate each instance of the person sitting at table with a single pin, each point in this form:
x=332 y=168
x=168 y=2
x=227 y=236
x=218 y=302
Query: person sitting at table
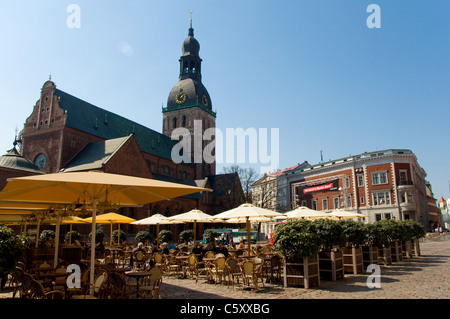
x=140 y=247
x=241 y=245
x=199 y=251
x=221 y=249
x=210 y=245
x=172 y=246
x=164 y=249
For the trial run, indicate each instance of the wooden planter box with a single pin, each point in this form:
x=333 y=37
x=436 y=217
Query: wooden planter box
x=416 y=245
x=301 y=272
x=396 y=251
x=331 y=265
x=408 y=249
x=384 y=255
x=370 y=255
x=353 y=260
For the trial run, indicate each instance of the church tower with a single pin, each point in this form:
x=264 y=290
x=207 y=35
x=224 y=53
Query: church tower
x=189 y=104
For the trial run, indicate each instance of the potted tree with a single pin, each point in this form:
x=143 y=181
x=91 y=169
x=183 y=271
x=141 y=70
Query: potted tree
x=299 y=243
x=187 y=235
x=331 y=263
x=415 y=232
x=382 y=232
x=165 y=236
x=356 y=235
x=369 y=249
x=143 y=236
x=399 y=234
x=12 y=250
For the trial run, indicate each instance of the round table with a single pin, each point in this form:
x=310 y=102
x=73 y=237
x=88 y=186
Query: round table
x=138 y=275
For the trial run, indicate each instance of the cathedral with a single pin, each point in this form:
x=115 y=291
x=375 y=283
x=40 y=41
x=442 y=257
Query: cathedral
x=66 y=134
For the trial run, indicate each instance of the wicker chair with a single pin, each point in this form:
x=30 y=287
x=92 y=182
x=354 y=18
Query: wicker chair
x=233 y=271
x=38 y=292
x=152 y=284
x=249 y=278
x=217 y=269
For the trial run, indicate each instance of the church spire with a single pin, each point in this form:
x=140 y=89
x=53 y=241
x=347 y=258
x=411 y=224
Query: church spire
x=190 y=61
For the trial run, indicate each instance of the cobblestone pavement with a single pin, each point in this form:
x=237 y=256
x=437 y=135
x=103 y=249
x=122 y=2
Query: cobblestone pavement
x=423 y=277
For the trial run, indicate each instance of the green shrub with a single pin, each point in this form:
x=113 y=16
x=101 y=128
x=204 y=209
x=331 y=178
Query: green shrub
x=297 y=239
x=165 y=236
x=332 y=233
x=143 y=236
x=115 y=236
x=211 y=234
x=12 y=250
x=99 y=235
x=47 y=234
x=357 y=233
x=75 y=236
x=187 y=235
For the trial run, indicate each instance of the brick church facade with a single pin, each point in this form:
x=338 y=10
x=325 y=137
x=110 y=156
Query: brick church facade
x=66 y=134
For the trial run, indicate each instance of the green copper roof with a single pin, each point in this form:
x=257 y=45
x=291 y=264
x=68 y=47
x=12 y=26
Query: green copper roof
x=13 y=160
x=91 y=119
x=95 y=155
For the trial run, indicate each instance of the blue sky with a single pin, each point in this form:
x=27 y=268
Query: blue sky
x=311 y=68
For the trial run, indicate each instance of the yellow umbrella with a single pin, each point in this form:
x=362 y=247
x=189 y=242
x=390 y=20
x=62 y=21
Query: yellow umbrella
x=111 y=218
x=193 y=216
x=156 y=219
x=93 y=188
x=248 y=211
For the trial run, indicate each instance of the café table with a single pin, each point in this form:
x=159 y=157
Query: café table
x=139 y=275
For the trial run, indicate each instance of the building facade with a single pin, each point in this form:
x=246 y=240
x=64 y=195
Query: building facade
x=381 y=184
x=66 y=134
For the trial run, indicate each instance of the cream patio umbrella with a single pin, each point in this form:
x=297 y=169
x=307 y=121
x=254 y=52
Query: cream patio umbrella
x=305 y=212
x=156 y=219
x=112 y=218
x=345 y=214
x=92 y=188
x=193 y=216
x=247 y=211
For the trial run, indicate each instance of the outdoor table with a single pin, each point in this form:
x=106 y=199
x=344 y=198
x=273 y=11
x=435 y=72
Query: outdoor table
x=182 y=259
x=138 y=275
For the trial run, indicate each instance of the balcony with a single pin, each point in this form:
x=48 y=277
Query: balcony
x=405 y=184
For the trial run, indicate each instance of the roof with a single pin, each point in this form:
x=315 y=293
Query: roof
x=13 y=160
x=172 y=179
x=95 y=155
x=108 y=125
x=222 y=183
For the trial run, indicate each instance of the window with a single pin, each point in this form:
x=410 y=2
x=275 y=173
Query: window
x=347 y=182
x=324 y=203
x=314 y=204
x=361 y=200
x=304 y=202
x=360 y=179
x=379 y=178
x=349 y=200
x=381 y=216
x=403 y=175
x=381 y=198
x=336 y=202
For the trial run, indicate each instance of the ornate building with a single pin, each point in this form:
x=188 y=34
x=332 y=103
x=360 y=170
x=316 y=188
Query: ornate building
x=64 y=133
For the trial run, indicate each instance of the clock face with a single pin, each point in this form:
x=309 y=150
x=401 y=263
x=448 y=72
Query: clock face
x=205 y=100
x=180 y=98
x=40 y=161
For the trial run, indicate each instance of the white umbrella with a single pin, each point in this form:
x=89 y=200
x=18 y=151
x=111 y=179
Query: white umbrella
x=305 y=212
x=345 y=214
x=193 y=216
x=247 y=211
x=156 y=219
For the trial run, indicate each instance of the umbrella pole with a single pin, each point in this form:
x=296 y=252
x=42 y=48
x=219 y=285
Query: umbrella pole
x=118 y=234
x=37 y=232
x=55 y=260
x=157 y=236
x=195 y=229
x=70 y=235
x=94 y=215
x=248 y=236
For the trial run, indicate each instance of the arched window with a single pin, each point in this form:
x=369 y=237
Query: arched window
x=174 y=122
x=183 y=122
